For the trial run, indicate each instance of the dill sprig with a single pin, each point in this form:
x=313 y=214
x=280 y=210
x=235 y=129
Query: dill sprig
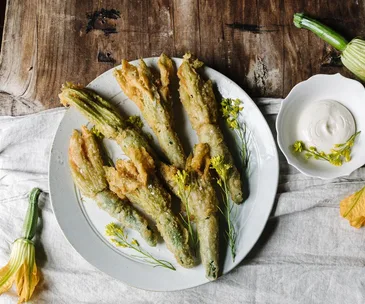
x=181 y=178
x=339 y=154
x=230 y=111
x=222 y=170
x=120 y=239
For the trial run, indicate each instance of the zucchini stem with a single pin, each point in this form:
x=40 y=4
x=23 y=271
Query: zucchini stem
x=31 y=217
x=321 y=30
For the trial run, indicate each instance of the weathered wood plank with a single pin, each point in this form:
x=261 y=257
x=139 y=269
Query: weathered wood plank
x=15 y=106
x=46 y=43
x=160 y=21
x=186 y=27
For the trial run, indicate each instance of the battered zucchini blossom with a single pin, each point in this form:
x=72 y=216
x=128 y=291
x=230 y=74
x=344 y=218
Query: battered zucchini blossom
x=152 y=95
x=201 y=200
x=88 y=174
x=199 y=102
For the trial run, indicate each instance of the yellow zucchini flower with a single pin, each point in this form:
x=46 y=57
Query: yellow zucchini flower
x=22 y=268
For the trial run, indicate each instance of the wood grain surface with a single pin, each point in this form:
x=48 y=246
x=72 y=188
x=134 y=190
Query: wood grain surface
x=255 y=43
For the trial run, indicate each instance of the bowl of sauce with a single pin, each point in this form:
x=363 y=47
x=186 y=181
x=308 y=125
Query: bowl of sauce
x=322 y=112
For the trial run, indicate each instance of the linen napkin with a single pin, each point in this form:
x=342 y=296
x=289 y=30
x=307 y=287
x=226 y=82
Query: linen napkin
x=307 y=253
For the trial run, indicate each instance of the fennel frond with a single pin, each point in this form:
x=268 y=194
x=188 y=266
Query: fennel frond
x=230 y=111
x=222 y=170
x=120 y=239
x=184 y=187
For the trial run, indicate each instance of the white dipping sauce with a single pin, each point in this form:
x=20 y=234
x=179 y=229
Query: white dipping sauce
x=325 y=123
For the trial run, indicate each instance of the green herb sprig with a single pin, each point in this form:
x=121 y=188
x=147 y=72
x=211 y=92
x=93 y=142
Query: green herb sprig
x=339 y=154
x=222 y=170
x=120 y=239
x=184 y=187
x=230 y=111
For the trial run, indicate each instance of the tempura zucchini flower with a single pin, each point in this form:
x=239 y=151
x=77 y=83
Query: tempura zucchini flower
x=197 y=192
x=152 y=96
x=155 y=200
x=199 y=101
x=108 y=122
x=352 y=53
x=22 y=268
x=87 y=171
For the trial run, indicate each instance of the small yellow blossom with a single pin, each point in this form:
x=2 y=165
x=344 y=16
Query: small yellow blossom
x=120 y=239
x=134 y=242
x=230 y=110
x=181 y=178
x=221 y=167
x=298 y=146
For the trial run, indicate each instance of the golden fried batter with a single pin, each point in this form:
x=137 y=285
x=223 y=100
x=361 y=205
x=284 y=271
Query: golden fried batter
x=88 y=174
x=203 y=205
x=155 y=201
x=107 y=121
x=153 y=99
x=199 y=102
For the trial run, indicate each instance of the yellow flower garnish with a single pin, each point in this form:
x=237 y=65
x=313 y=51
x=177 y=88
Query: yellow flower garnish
x=22 y=268
x=182 y=180
x=230 y=110
x=298 y=146
x=340 y=153
x=221 y=167
x=222 y=170
x=134 y=242
x=120 y=239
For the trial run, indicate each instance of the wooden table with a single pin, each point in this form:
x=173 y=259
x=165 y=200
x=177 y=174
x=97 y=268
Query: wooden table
x=255 y=43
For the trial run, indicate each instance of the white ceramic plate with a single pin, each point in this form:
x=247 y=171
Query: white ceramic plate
x=349 y=93
x=83 y=223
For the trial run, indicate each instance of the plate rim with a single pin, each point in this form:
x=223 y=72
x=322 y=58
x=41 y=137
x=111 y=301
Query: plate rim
x=265 y=217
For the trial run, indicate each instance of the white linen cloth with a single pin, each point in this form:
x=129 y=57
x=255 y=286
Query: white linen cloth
x=307 y=253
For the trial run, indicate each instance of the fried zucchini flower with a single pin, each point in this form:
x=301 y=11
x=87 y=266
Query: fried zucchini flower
x=107 y=121
x=201 y=199
x=152 y=96
x=88 y=174
x=199 y=102
x=152 y=197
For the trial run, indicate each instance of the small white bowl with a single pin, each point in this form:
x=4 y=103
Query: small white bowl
x=349 y=93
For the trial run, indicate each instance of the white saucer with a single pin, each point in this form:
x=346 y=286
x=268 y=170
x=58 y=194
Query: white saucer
x=349 y=93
